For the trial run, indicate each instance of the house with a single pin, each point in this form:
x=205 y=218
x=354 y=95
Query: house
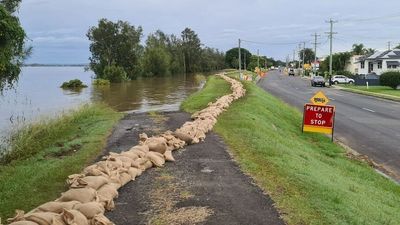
x=352 y=65
x=376 y=63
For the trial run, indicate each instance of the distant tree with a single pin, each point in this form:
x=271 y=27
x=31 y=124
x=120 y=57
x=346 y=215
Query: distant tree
x=358 y=49
x=10 y=5
x=212 y=59
x=339 y=61
x=370 y=51
x=191 y=47
x=309 y=55
x=157 y=58
x=12 y=44
x=115 y=44
x=232 y=57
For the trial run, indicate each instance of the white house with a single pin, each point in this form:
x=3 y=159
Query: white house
x=377 y=63
x=352 y=65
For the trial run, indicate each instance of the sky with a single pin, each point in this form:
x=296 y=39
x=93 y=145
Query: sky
x=57 y=28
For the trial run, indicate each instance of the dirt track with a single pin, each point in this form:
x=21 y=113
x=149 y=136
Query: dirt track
x=203 y=186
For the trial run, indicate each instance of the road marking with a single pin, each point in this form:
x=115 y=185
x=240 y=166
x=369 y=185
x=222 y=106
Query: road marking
x=369 y=110
x=332 y=99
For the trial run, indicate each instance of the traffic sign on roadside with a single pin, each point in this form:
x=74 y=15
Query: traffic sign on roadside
x=319 y=117
x=319 y=99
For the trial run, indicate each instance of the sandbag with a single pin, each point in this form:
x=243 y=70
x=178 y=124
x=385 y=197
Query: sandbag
x=130 y=154
x=147 y=165
x=184 y=137
x=134 y=172
x=168 y=156
x=125 y=178
x=143 y=148
x=90 y=209
x=74 y=217
x=93 y=170
x=82 y=195
x=100 y=220
x=57 y=207
x=19 y=215
x=127 y=162
x=24 y=223
x=143 y=137
x=156 y=158
x=42 y=218
x=106 y=195
x=94 y=182
x=156 y=144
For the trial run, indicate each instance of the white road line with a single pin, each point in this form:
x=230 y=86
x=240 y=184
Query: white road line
x=369 y=110
x=332 y=99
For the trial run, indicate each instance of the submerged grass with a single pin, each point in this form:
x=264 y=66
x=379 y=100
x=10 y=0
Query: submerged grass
x=44 y=154
x=310 y=179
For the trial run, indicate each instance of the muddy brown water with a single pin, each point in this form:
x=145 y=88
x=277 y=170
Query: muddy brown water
x=38 y=94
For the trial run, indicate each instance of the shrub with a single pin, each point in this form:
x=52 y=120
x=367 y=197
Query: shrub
x=390 y=79
x=101 y=82
x=115 y=74
x=76 y=83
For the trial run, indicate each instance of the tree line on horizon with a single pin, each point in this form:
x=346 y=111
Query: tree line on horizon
x=118 y=53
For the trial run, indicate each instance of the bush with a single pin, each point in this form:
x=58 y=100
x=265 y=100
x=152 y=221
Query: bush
x=115 y=74
x=76 y=83
x=390 y=79
x=101 y=82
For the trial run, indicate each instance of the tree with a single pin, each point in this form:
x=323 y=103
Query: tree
x=358 y=49
x=12 y=44
x=339 y=61
x=115 y=44
x=191 y=47
x=309 y=55
x=232 y=56
x=156 y=59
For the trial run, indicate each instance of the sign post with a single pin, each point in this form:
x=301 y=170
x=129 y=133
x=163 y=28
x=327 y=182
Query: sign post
x=319 y=117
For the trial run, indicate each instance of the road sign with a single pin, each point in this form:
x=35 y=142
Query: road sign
x=319 y=99
x=319 y=118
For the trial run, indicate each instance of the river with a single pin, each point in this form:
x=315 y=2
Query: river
x=38 y=95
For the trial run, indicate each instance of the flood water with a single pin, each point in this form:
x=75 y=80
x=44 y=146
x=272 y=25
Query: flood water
x=38 y=94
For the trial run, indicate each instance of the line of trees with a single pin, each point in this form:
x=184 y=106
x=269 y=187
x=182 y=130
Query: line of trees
x=248 y=60
x=117 y=52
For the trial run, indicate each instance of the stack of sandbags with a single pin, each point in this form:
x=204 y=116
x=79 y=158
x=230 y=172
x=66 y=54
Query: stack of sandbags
x=92 y=192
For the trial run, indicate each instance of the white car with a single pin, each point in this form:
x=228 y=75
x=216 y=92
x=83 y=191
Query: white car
x=340 y=79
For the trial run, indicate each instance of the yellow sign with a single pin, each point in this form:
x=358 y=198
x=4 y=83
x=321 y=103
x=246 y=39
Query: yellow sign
x=319 y=99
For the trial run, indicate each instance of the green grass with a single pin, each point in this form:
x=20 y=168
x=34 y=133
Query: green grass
x=49 y=151
x=378 y=91
x=211 y=91
x=310 y=179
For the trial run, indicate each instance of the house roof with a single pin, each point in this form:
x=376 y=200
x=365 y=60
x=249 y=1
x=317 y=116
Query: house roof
x=379 y=56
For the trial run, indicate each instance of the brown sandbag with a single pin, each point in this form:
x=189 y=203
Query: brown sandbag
x=156 y=158
x=143 y=148
x=42 y=218
x=24 y=223
x=93 y=170
x=19 y=215
x=134 y=172
x=147 y=165
x=57 y=207
x=100 y=220
x=156 y=144
x=125 y=178
x=127 y=162
x=130 y=154
x=74 y=217
x=94 y=182
x=90 y=209
x=168 y=156
x=143 y=137
x=82 y=195
x=106 y=195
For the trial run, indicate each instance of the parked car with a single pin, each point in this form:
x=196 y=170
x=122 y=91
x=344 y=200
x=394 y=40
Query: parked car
x=291 y=72
x=340 y=79
x=318 y=81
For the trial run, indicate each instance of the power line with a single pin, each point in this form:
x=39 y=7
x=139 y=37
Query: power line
x=269 y=43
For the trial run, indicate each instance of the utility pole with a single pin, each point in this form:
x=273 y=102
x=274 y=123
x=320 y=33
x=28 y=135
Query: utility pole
x=331 y=33
x=304 y=54
x=315 y=51
x=299 y=56
x=294 y=57
x=389 y=45
x=258 y=58
x=240 y=62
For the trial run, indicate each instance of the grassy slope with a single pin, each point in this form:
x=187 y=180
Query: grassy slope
x=378 y=91
x=308 y=177
x=39 y=176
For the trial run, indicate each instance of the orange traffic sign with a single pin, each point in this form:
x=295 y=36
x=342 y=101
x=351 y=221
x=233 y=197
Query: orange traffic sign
x=319 y=99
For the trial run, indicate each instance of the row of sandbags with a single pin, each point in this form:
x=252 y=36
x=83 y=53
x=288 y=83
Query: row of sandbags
x=92 y=192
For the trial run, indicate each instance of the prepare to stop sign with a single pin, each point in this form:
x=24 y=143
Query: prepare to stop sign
x=319 y=117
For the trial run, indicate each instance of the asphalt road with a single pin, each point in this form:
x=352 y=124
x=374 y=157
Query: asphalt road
x=369 y=125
